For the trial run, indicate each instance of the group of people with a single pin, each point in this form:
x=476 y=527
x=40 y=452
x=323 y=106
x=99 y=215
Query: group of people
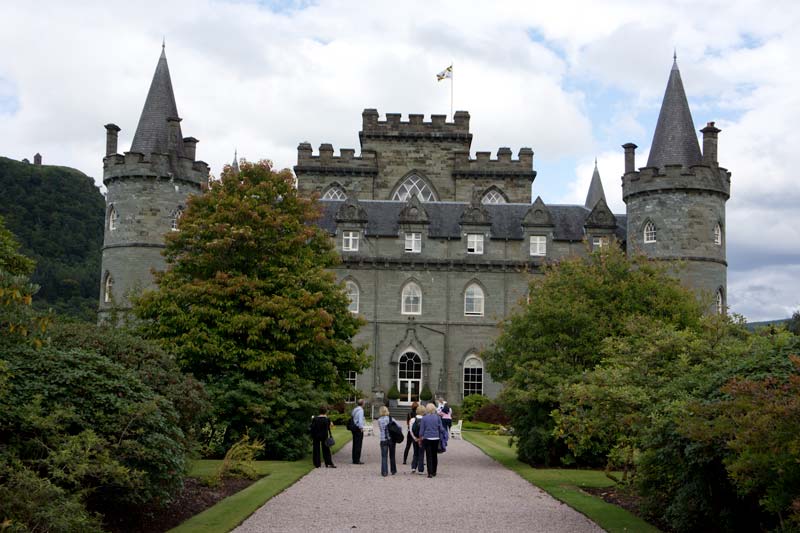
x=428 y=429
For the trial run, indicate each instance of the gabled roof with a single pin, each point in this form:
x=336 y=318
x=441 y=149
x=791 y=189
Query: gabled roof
x=675 y=139
x=152 y=133
x=596 y=192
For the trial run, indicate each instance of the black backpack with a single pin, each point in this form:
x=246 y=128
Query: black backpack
x=394 y=431
x=351 y=424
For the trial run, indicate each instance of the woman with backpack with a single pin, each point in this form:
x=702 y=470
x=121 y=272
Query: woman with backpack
x=387 y=444
x=418 y=460
x=430 y=430
x=410 y=417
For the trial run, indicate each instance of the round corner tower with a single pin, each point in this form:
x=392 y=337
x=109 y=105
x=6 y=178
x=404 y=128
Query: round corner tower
x=676 y=204
x=147 y=190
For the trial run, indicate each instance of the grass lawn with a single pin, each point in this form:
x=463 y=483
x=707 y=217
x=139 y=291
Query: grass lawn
x=563 y=484
x=233 y=510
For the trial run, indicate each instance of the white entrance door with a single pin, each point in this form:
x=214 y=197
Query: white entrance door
x=409 y=377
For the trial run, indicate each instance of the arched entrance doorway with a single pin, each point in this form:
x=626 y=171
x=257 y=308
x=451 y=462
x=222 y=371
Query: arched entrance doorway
x=409 y=377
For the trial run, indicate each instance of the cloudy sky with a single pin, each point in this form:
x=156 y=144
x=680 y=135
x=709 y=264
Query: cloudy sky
x=573 y=80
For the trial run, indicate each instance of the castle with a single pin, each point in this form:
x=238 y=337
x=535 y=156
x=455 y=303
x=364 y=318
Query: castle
x=436 y=247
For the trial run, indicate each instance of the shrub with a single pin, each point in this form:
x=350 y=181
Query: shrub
x=472 y=403
x=426 y=395
x=239 y=460
x=393 y=393
x=491 y=413
x=338 y=419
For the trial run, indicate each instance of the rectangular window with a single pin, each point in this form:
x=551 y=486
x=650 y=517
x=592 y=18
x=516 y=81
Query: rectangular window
x=413 y=243
x=473 y=381
x=350 y=241
x=599 y=242
x=538 y=245
x=351 y=380
x=474 y=243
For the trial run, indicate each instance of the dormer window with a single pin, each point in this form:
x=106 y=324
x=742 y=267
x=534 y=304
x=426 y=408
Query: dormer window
x=175 y=217
x=538 y=245
x=718 y=235
x=599 y=243
x=413 y=243
x=649 y=232
x=474 y=243
x=349 y=241
x=113 y=218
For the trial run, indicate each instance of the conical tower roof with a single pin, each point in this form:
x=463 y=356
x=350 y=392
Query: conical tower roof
x=596 y=192
x=235 y=164
x=152 y=133
x=675 y=139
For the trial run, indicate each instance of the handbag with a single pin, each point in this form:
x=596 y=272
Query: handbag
x=329 y=442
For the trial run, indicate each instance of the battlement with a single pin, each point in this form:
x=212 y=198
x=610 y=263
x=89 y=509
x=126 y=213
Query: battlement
x=483 y=165
x=134 y=164
x=326 y=162
x=703 y=177
x=415 y=126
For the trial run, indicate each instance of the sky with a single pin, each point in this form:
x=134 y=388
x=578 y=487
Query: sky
x=573 y=80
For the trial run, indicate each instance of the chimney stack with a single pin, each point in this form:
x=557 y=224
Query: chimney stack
x=37 y=159
x=112 y=132
x=630 y=157
x=710 y=133
x=190 y=147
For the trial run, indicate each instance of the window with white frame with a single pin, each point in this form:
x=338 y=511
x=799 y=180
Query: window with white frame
x=493 y=197
x=538 y=245
x=649 y=232
x=474 y=243
x=113 y=218
x=718 y=235
x=413 y=243
x=473 y=300
x=108 y=287
x=414 y=186
x=334 y=193
x=412 y=299
x=349 y=241
x=175 y=217
x=720 y=303
x=473 y=376
x=351 y=380
x=599 y=243
x=352 y=295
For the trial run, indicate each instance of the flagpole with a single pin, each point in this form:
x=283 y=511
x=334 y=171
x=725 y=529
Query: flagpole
x=452 y=81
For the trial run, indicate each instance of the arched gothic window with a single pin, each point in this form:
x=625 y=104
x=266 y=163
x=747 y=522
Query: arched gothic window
x=113 y=218
x=352 y=295
x=720 y=302
x=175 y=216
x=493 y=196
x=108 y=287
x=649 y=232
x=473 y=300
x=473 y=376
x=334 y=193
x=412 y=299
x=718 y=235
x=414 y=186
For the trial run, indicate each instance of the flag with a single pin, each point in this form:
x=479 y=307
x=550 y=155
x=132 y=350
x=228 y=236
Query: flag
x=446 y=73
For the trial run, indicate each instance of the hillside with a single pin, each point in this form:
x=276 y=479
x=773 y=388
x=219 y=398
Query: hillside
x=57 y=215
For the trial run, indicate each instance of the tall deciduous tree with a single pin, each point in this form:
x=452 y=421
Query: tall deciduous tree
x=576 y=304
x=246 y=298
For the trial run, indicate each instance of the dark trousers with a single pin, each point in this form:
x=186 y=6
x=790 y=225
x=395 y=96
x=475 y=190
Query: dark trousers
x=326 y=453
x=387 y=451
x=418 y=461
x=447 y=423
x=358 y=439
x=409 y=442
x=431 y=455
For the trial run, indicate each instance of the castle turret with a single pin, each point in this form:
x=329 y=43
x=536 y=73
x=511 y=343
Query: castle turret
x=147 y=192
x=596 y=192
x=676 y=204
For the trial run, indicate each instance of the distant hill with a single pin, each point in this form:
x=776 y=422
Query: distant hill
x=752 y=326
x=57 y=215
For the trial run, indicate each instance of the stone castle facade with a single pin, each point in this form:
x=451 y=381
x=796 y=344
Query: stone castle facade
x=437 y=247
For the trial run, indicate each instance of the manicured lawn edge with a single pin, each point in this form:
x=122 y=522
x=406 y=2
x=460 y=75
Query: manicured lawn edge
x=563 y=484
x=235 y=509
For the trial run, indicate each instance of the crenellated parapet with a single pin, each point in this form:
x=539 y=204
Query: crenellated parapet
x=504 y=166
x=415 y=128
x=346 y=163
x=704 y=177
x=134 y=165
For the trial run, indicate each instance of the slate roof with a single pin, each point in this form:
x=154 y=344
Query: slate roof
x=675 y=139
x=152 y=133
x=383 y=215
x=596 y=192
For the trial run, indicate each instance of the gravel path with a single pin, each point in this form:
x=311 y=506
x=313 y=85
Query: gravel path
x=471 y=492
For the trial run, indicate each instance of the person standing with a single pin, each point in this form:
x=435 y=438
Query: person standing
x=410 y=417
x=430 y=428
x=387 y=444
x=447 y=416
x=320 y=431
x=418 y=460
x=358 y=431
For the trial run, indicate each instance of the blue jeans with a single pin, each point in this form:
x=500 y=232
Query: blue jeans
x=418 y=461
x=387 y=451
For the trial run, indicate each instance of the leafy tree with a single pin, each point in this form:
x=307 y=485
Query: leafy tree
x=246 y=297
x=576 y=304
x=794 y=323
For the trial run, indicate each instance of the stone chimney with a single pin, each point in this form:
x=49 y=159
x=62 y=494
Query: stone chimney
x=37 y=159
x=710 y=134
x=112 y=133
x=630 y=157
x=190 y=147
